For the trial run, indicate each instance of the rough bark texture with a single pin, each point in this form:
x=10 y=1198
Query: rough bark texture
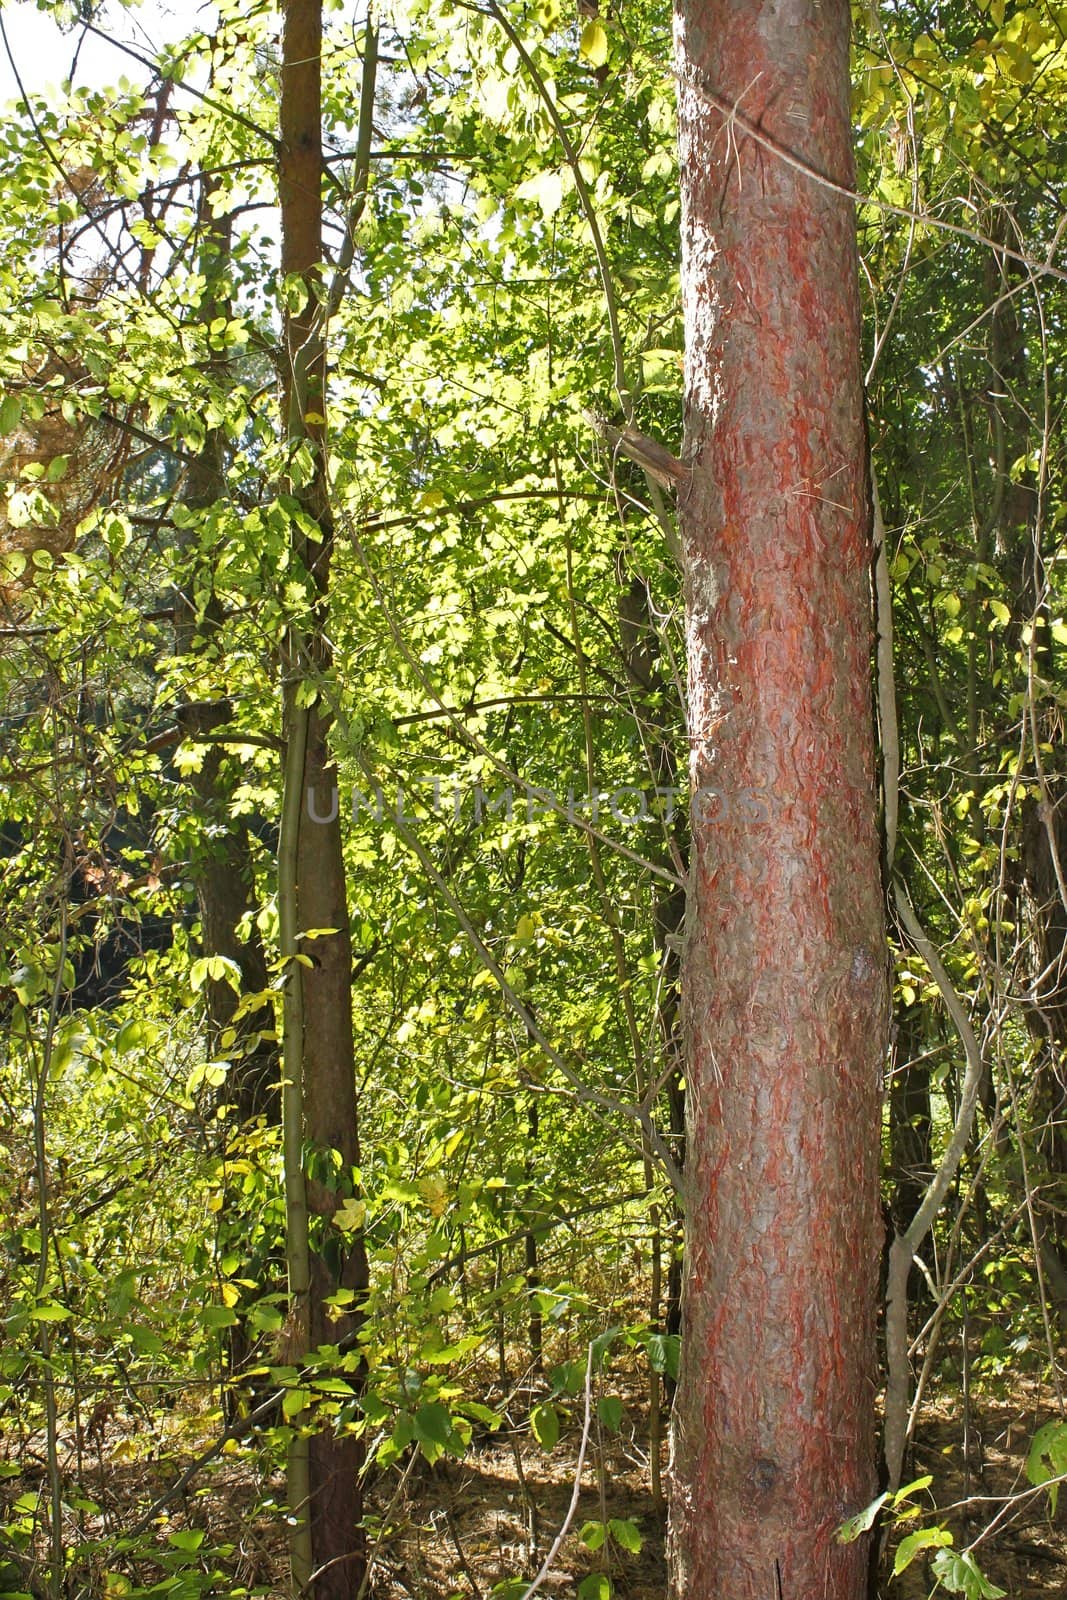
x=784 y=976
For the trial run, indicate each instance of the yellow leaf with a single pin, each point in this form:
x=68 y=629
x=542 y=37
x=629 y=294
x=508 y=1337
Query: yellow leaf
x=594 y=45
x=435 y=1193
x=1015 y=63
x=350 y=1215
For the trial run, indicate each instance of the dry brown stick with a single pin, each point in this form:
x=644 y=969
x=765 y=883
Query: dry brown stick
x=651 y=456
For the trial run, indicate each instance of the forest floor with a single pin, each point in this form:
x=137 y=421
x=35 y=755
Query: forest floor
x=466 y=1528
x=453 y=1531
x=984 y=1496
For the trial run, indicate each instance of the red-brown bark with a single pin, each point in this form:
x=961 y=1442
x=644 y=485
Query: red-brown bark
x=785 y=967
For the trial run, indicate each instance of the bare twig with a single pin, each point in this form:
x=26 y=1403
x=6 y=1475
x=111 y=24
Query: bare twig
x=905 y=1245
x=557 y=1542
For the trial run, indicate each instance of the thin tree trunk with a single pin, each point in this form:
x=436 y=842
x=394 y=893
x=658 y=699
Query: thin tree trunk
x=784 y=970
x=223 y=867
x=320 y=983
x=910 y=1119
x=222 y=862
x=533 y=1273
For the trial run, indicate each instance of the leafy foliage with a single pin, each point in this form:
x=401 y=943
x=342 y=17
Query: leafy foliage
x=505 y=696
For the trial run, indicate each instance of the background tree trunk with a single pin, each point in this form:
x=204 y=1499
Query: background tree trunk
x=785 y=967
x=223 y=868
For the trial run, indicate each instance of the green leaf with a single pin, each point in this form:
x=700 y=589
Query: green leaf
x=483 y=1414
x=594 y=45
x=626 y=1533
x=28 y=982
x=13 y=564
x=435 y=1431
x=569 y=1378
x=134 y=1033
x=268 y=1318
x=220 y=968
x=602 y=1345
x=961 y=1574
x=218 y=1317
x=334 y=1386
x=862 y=1522
x=609 y=1410
x=143 y=1339
x=914 y=1543
x=10 y=413
x=69 y=1047
x=593 y=1534
x=1016 y=62
x=294 y=293
x=50 y=1311
x=433 y=1424
x=916 y=1487
x=399 y=1189
x=1048 y=1458
x=664 y=1350
x=544 y=1425
x=294 y=1401
x=186 y=1539
x=595 y=1586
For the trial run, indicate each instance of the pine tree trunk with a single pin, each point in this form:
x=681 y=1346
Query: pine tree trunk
x=784 y=972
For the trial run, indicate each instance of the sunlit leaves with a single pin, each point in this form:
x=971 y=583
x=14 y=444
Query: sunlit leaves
x=545 y=189
x=623 y=1532
x=1047 y=1458
x=594 y=42
x=913 y=1545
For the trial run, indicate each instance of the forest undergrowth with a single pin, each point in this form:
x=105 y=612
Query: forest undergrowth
x=557 y=1486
